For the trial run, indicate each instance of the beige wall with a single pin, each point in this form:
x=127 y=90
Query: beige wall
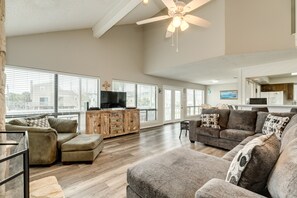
x=195 y=43
x=117 y=55
x=213 y=94
x=255 y=25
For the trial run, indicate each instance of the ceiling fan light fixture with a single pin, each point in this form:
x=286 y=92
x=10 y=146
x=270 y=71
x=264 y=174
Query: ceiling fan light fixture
x=171 y=28
x=184 y=25
x=176 y=21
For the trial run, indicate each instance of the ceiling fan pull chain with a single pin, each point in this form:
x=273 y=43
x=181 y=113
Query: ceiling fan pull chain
x=176 y=39
x=172 y=39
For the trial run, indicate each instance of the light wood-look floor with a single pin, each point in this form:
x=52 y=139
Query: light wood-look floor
x=106 y=177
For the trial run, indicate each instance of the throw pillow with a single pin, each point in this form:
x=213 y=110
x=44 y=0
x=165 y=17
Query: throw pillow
x=275 y=124
x=19 y=122
x=251 y=166
x=63 y=125
x=210 y=120
x=38 y=122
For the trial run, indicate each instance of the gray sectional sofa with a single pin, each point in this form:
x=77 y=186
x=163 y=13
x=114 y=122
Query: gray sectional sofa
x=235 y=126
x=187 y=173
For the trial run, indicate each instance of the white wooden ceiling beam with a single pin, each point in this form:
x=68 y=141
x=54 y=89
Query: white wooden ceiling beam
x=113 y=16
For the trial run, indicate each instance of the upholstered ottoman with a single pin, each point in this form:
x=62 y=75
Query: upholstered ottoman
x=82 y=148
x=177 y=173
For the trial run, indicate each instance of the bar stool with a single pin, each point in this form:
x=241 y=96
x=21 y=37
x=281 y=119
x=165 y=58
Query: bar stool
x=184 y=125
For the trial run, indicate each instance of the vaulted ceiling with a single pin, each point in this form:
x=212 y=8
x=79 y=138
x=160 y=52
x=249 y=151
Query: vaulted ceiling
x=41 y=16
x=25 y=17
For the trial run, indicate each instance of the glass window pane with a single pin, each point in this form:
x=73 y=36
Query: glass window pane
x=68 y=93
x=28 y=91
x=190 y=97
x=146 y=97
x=177 y=114
x=129 y=88
x=89 y=92
x=167 y=105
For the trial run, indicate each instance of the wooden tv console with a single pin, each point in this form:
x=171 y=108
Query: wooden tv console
x=111 y=123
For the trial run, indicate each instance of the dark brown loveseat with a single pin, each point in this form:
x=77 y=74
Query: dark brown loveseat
x=235 y=126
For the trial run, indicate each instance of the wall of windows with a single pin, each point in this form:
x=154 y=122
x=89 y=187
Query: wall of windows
x=195 y=98
x=30 y=92
x=142 y=96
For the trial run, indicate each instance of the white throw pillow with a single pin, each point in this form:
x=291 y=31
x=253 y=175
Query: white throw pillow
x=38 y=122
x=210 y=121
x=275 y=124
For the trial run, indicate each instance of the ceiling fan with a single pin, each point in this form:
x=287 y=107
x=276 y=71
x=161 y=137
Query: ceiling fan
x=177 y=11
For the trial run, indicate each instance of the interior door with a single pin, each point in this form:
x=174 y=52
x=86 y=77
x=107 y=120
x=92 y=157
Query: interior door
x=172 y=104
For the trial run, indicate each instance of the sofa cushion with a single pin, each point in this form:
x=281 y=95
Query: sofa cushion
x=251 y=166
x=231 y=154
x=243 y=120
x=210 y=132
x=64 y=137
x=235 y=134
x=63 y=125
x=210 y=120
x=262 y=117
x=38 y=122
x=19 y=122
x=83 y=142
x=291 y=123
x=223 y=118
x=283 y=178
x=275 y=124
x=249 y=138
x=289 y=136
x=178 y=173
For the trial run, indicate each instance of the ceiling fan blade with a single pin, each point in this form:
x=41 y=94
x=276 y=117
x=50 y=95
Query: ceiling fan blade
x=194 y=5
x=168 y=34
x=169 y=4
x=154 y=19
x=196 y=20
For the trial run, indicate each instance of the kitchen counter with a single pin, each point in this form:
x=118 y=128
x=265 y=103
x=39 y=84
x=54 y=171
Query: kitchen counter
x=271 y=108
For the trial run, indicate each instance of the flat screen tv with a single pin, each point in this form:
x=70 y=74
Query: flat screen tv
x=112 y=99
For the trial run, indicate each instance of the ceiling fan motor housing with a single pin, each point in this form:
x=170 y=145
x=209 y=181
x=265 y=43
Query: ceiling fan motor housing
x=178 y=10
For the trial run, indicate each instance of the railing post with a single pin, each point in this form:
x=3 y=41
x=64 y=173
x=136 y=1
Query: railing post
x=26 y=174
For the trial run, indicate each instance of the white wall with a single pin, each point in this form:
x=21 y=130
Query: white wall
x=117 y=55
x=213 y=94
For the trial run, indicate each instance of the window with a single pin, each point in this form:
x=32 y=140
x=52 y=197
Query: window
x=141 y=96
x=43 y=101
x=69 y=93
x=33 y=92
x=195 y=98
x=29 y=92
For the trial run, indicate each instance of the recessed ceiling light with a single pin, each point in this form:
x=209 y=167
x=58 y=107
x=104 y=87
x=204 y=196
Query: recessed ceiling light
x=294 y=74
x=214 y=81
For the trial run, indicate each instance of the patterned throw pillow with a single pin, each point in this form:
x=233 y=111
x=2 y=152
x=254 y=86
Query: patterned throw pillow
x=275 y=124
x=251 y=166
x=38 y=122
x=210 y=120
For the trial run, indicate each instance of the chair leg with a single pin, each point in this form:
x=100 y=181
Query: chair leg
x=186 y=132
x=180 y=133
